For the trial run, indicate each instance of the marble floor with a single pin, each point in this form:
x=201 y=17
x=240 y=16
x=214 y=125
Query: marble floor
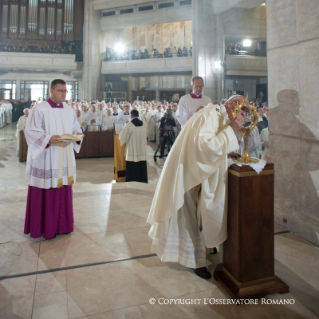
x=105 y=268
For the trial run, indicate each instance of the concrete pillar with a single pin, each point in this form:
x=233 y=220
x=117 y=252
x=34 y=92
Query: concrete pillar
x=208 y=47
x=18 y=84
x=91 y=55
x=293 y=64
x=157 y=95
x=129 y=89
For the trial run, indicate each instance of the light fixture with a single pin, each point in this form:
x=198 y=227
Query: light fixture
x=218 y=64
x=247 y=43
x=119 y=47
x=263 y=4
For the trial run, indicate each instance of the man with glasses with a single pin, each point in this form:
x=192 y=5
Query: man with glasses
x=51 y=168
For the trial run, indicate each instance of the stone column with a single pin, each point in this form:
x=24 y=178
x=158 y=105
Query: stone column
x=293 y=67
x=208 y=47
x=129 y=89
x=18 y=86
x=91 y=52
x=157 y=95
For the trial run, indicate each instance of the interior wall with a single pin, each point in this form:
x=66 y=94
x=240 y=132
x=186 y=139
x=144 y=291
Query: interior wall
x=293 y=66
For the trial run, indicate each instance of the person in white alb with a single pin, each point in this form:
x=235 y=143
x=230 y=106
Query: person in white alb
x=124 y=117
x=108 y=121
x=9 y=108
x=190 y=103
x=21 y=126
x=134 y=136
x=264 y=143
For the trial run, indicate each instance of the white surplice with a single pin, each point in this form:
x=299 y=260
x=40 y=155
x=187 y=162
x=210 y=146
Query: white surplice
x=20 y=127
x=187 y=106
x=108 y=122
x=198 y=156
x=43 y=163
x=9 y=112
x=135 y=139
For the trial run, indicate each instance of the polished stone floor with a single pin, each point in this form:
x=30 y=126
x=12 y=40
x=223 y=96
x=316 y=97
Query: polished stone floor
x=105 y=268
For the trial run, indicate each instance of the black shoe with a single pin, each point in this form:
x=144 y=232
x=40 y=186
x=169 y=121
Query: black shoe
x=202 y=272
x=214 y=251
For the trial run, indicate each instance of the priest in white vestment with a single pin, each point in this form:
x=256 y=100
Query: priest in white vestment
x=51 y=168
x=134 y=136
x=190 y=103
x=21 y=126
x=264 y=143
x=108 y=121
x=124 y=117
x=146 y=117
x=181 y=225
x=9 y=109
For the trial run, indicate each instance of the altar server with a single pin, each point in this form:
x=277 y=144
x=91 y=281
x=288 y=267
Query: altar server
x=190 y=103
x=124 y=117
x=183 y=226
x=134 y=136
x=108 y=121
x=51 y=168
x=21 y=126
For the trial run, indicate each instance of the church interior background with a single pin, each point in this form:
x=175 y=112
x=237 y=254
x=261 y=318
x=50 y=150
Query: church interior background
x=105 y=268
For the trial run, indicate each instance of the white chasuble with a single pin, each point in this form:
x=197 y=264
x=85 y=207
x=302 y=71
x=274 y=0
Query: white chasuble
x=43 y=162
x=198 y=156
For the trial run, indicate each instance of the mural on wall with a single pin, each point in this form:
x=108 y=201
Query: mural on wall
x=161 y=36
x=161 y=82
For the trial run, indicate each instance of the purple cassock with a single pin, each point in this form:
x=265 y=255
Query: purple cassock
x=49 y=211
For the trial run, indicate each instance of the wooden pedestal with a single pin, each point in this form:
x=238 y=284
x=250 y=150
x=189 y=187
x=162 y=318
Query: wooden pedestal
x=248 y=270
x=119 y=160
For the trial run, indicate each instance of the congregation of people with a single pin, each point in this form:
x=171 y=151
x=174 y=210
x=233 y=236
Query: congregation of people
x=168 y=52
x=101 y=115
x=63 y=49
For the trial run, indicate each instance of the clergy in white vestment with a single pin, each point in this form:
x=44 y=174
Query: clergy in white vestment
x=264 y=143
x=115 y=114
x=51 y=168
x=134 y=136
x=183 y=226
x=80 y=119
x=9 y=109
x=190 y=103
x=146 y=117
x=85 y=117
x=21 y=126
x=125 y=116
x=151 y=126
x=157 y=122
x=3 y=113
x=108 y=121
x=93 y=117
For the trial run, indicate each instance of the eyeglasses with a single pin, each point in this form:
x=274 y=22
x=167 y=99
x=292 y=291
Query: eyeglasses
x=61 y=91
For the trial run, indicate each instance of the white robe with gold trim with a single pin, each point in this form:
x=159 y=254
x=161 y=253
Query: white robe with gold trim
x=198 y=156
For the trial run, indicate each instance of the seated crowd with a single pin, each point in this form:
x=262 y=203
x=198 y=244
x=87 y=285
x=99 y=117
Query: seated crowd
x=111 y=55
x=67 y=49
x=153 y=113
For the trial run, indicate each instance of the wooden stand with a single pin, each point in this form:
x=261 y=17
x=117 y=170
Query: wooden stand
x=23 y=147
x=119 y=160
x=248 y=270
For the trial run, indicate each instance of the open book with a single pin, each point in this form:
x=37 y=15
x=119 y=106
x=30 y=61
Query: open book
x=69 y=138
